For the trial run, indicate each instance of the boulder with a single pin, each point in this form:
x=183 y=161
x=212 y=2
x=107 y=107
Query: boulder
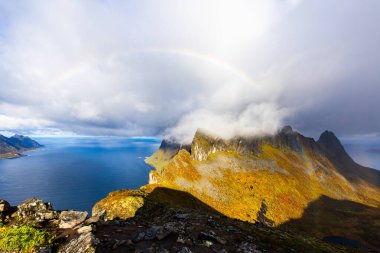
x=85 y=229
x=185 y=250
x=69 y=219
x=121 y=204
x=4 y=209
x=36 y=210
x=92 y=220
x=211 y=237
x=85 y=242
x=4 y=206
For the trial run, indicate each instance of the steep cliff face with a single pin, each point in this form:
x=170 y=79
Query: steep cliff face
x=168 y=149
x=280 y=174
x=204 y=144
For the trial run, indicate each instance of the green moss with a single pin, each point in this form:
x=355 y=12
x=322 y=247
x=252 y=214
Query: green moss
x=25 y=238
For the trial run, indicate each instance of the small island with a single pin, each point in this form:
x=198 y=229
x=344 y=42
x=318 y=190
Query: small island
x=14 y=146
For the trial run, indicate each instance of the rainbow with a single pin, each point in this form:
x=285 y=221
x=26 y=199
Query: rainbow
x=85 y=65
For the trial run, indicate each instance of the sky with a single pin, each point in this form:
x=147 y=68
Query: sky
x=169 y=67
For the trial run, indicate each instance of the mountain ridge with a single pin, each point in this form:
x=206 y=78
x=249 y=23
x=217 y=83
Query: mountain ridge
x=13 y=146
x=284 y=173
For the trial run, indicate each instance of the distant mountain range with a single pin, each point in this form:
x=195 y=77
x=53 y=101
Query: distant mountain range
x=13 y=147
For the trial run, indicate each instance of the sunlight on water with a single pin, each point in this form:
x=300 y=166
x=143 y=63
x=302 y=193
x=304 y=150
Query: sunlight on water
x=75 y=173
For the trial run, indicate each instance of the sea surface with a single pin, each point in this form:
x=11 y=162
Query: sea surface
x=75 y=173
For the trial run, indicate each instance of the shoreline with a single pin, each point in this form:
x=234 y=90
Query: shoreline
x=17 y=155
x=11 y=156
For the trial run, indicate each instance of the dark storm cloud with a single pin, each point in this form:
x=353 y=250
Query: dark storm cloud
x=149 y=68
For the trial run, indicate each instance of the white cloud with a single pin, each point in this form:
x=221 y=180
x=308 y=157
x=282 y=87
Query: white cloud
x=168 y=67
x=11 y=123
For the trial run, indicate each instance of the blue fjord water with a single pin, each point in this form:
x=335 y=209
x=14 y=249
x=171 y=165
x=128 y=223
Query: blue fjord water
x=75 y=173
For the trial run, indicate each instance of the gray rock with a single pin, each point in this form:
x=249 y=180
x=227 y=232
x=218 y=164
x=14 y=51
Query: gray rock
x=84 y=243
x=85 y=229
x=92 y=220
x=150 y=250
x=4 y=206
x=211 y=236
x=181 y=215
x=181 y=239
x=36 y=210
x=220 y=251
x=185 y=250
x=44 y=250
x=162 y=250
x=140 y=236
x=163 y=234
x=69 y=219
x=152 y=232
x=118 y=243
x=176 y=227
x=247 y=247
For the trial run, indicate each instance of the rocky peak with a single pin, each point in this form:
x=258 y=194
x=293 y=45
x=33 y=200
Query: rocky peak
x=19 y=136
x=287 y=130
x=329 y=141
x=333 y=148
x=22 y=142
x=205 y=144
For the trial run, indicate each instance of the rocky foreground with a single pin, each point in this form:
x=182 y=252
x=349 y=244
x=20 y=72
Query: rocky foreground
x=184 y=224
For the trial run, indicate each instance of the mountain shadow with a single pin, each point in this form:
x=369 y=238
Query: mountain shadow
x=340 y=221
x=171 y=219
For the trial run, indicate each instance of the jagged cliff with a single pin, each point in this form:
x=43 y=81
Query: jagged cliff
x=284 y=180
x=13 y=146
x=281 y=174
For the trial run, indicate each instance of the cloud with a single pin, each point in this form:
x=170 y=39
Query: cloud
x=256 y=119
x=166 y=68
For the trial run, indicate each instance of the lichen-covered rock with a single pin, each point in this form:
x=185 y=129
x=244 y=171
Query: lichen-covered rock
x=121 y=204
x=36 y=210
x=85 y=243
x=69 y=219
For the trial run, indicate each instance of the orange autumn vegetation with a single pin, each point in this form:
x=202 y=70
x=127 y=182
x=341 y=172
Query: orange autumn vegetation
x=236 y=185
